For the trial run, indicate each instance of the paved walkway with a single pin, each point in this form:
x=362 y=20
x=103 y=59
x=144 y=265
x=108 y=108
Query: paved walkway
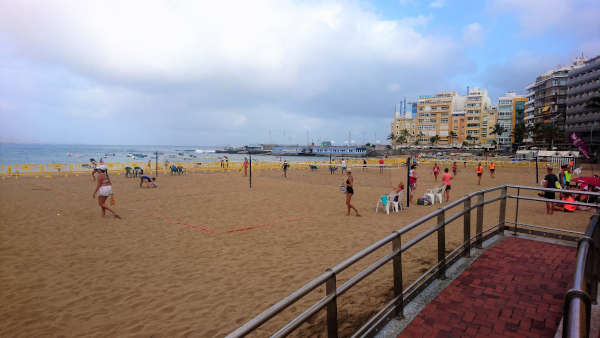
x=514 y=289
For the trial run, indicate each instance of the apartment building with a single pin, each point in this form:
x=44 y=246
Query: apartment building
x=511 y=111
x=402 y=123
x=550 y=96
x=478 y=116
x=458 y=127
x=434 y=116
x=583 y=83
x=452 y=117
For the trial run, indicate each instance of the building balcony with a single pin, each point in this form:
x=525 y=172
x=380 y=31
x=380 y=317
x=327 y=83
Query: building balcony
x=574 y=79
x=593 y=86
x=582 y=118
x=578 y=100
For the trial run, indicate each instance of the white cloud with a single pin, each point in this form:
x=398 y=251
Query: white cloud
x=213 y=61
x=473 y=33
x=539 y=16
x=437 y=4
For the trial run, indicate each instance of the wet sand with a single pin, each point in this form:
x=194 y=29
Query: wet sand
x=202 y=254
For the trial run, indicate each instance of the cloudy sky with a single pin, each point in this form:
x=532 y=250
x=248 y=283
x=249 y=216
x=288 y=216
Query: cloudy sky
x=237 y=72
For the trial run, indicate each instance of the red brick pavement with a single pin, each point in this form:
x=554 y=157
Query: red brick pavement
x=514 y=289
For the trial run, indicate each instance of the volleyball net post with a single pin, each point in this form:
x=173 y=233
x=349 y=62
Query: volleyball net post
x=408 y=181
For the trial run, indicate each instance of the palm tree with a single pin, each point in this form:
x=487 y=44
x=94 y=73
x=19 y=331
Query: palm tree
x=391 y=137
x=498 y=129
x=434 y=139
x=405 y=134
x=519 y=132
x=452 y=136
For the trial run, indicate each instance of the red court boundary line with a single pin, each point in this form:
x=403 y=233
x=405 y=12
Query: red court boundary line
x=263 y=225
x=174 y=221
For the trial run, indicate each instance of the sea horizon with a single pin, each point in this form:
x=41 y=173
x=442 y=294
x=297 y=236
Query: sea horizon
x=28 y=153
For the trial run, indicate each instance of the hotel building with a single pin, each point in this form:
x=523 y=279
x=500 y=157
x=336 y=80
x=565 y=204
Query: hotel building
x=479 y=116
x=434 y=116
x=582 y=84
x=511 y=111
x=549 y=98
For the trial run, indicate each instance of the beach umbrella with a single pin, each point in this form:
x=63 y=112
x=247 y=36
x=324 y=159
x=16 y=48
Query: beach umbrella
x=594 y=181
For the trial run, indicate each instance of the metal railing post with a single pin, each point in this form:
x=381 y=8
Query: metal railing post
x=467 y=228
x=595 y=266
x=441 y=233
x=479 y=225
x=397 y=265
x=502 y=213
x=332 y=322
x=517 y=212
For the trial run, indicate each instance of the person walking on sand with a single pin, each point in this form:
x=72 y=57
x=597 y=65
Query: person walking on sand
x=104 y=190
x=454 y=168
x=343 y=166
x=350 y=192
x=492 y=169
x=285 y=167
x=93 y=165
x=381 y=165
x=246 y=163
x=412 y=181
x=364 y=167
x=479 y=171
x=549 y=182
x=446 y=178
x=436 y=171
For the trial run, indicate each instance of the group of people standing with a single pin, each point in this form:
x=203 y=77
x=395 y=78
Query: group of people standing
x=562 y=181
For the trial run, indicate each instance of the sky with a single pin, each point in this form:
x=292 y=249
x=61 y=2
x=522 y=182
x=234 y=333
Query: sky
x=191 y=72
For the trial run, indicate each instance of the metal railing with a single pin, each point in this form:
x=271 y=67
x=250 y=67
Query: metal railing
x=579 y=299
x=474 y=201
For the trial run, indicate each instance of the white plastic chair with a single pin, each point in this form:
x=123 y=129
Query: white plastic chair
x=438 y=192
x=401 y=201
x=384 y=204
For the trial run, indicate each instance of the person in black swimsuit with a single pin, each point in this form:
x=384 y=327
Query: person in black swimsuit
x=550 y=182
x=350 y=192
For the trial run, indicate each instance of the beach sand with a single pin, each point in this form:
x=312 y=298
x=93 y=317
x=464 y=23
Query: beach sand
x=202 y=254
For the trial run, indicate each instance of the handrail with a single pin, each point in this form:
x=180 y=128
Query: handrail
x=329 y=276
x=525 y=187
x=578 y=300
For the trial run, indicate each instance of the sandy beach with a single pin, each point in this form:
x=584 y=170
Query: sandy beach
x=202 y=254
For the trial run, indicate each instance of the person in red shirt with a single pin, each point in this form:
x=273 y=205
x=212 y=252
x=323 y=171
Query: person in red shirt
x=446 y=178
x=381 y=165
x=436 y=171
x=454 y=168
x=246 y=166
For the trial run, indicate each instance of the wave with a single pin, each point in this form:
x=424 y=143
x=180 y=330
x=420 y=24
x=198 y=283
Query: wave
x=205 y=151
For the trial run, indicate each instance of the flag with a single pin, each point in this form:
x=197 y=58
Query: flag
x=580 y=144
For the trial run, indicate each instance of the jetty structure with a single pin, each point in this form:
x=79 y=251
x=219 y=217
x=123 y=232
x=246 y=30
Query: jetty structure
x=324 y=149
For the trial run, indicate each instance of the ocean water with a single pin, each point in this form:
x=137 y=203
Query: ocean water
x=64 y=153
